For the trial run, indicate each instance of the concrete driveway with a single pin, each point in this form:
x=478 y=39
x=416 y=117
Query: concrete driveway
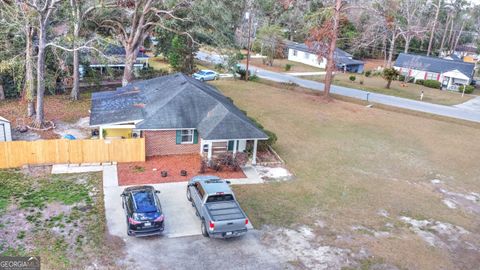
x=180 y=219
x=182 y=246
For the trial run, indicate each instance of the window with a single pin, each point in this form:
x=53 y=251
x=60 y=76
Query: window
x=187 y=136
x=295 y=52
x=431 y=76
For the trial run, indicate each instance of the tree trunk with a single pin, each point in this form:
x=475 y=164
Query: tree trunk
x=331 y=49
x=451 y=35
x=407 y=43
x=2 y=92
x=392 y=48
x=29 y=79
x=442 y=45
x=458 y=37
x=39 y=118
x=389 y=82
x=130 y=58
x=74 y=95
x=429 y=50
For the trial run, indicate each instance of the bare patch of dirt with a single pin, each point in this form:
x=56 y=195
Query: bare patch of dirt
x=463 y=245
x=303 y=248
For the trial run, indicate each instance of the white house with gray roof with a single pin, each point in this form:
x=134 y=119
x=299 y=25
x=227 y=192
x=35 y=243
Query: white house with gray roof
x=450 y=73
x=299 y=52
x=176 y=114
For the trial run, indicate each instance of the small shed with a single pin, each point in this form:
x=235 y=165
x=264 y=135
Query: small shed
x=5 y=130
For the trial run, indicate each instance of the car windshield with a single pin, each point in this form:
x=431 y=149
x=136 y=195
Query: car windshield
x=201 y=72
x=220 y=198
x=144 y=201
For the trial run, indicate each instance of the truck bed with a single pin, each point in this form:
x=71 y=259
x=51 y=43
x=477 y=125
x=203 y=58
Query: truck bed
x=223 y=211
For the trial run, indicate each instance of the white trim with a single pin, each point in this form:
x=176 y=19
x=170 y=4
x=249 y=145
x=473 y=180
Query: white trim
x=191 y=133
x=249 y=139
x=254 y=158
x=162 y=129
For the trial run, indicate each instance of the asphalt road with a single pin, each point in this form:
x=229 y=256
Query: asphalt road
x=449 y=111
x=458 y=112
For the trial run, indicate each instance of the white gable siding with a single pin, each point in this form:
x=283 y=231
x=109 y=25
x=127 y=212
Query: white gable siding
x=306 y=58
x=5 y=131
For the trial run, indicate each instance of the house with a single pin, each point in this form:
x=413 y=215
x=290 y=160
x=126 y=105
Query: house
x=114 y=58
x=453 y=57
x=5 y=130
x=451 y=74
x=299 y=52
x=176 y=114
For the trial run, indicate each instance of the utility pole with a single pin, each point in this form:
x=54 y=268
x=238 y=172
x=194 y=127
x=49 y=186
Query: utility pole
x=249 y=18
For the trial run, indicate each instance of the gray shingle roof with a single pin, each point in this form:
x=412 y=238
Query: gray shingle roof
x=173 y=102
x=433 y=64
x=341 y=57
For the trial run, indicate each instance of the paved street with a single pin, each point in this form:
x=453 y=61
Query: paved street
x=467 y=112
x=458 y=112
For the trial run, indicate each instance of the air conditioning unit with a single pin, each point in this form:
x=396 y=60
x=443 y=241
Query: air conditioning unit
x=136 y=134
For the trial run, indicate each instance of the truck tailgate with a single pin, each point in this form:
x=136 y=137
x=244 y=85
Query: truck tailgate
x=228 y=216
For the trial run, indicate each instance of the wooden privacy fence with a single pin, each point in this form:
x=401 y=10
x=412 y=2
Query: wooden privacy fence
x=18 y=153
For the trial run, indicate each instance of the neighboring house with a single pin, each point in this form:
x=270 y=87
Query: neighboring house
x=453 y=57
x=451 y=74
x=5 y=130
x=299 y=52
x=176 y=114
x=114 y=58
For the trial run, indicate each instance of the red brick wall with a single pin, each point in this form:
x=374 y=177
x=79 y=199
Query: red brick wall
x=163 y=142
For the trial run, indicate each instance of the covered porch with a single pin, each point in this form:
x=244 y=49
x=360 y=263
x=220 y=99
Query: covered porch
x=213 y=148
x=452 y=80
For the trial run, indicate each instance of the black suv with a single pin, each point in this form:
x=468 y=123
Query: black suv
x=143 y=211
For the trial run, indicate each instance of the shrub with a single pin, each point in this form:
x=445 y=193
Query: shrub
x=243 y=73
x=401 y=77
x=254 y=78
x=288 y=67
x=420 y=82
x=361 y=82
x=219 y=67
x=368 y=73
x=239 y=56
x=272 y=139
x=468 y=89
x=432 y=84
x=352 y=78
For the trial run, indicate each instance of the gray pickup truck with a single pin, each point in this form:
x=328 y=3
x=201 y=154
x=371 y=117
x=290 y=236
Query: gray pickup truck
x=217 y=208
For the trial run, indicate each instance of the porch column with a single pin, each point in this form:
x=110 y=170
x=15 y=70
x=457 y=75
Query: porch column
x=209 y=156
x=234 y=147
x=100 y=132
x=254 y=159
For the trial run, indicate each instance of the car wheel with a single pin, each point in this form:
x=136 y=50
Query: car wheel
x=202 y=79
x=204 y=228
x=189 y=195
x=216 y=78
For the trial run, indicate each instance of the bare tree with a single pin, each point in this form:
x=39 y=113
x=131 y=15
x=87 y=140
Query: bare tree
x=133 y=21
x=43 y=10
x=79 y=9
x=434 y=26
x=409 y=21
x=323 y=40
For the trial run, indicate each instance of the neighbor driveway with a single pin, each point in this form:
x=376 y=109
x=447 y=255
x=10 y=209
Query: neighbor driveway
x=182 y=246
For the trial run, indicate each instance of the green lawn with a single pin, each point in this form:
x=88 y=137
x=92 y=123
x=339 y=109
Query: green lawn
x=57 y=217
x=279 y=66
x=351 y=162
x=376 y=84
